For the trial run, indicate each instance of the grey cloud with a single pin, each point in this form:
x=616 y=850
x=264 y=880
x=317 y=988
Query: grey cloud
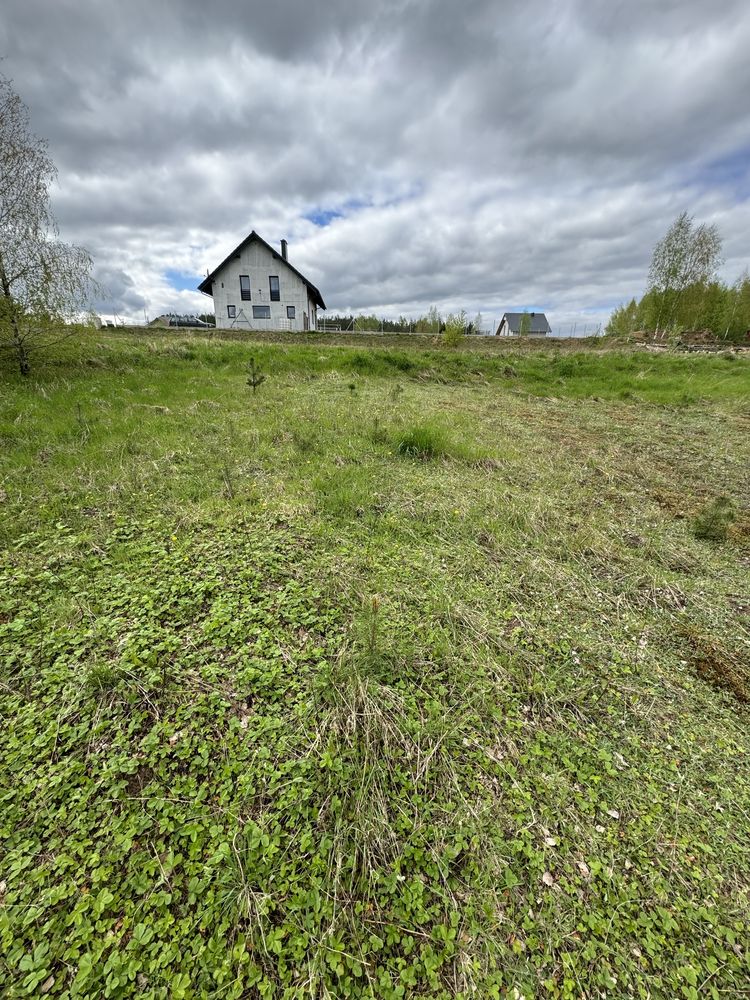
x=501 y=154
x=117 y=292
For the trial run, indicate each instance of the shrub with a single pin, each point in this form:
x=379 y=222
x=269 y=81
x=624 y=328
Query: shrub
x=455 y=329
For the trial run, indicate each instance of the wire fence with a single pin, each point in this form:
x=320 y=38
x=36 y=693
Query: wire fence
x=573 y=329
x=363 y=325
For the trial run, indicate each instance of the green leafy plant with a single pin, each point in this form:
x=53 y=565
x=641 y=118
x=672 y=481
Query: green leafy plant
x=103 y=678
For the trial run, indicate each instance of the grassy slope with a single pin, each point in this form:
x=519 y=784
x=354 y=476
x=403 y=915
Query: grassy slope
x=292 y=711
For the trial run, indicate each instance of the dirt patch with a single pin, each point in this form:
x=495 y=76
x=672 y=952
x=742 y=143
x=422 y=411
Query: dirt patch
x=723 y=668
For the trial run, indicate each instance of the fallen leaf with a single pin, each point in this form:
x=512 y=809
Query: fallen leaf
x=550 y=842
x=613 y=813
x=47 y=984
x=599 y=828
x=548 y=879
x=583 y=868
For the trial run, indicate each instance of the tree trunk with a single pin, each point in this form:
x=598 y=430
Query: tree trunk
x=22 y=355
x=24 y=365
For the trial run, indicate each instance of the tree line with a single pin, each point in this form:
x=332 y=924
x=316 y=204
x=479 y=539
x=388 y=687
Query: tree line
x=431 y=322
x=683 y=290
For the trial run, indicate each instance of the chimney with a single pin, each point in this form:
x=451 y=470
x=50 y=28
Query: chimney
x=284 y=250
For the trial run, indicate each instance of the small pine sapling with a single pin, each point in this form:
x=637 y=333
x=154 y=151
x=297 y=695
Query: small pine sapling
x=255 y=376
x=714 y=521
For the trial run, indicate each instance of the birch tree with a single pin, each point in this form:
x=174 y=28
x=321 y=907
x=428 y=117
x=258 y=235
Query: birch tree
x=687 y=257
x=43 y=282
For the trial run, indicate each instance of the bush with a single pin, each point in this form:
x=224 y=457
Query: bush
x=455 y=329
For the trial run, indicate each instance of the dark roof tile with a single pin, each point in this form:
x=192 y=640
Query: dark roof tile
x=537 y=322
x=207 y=283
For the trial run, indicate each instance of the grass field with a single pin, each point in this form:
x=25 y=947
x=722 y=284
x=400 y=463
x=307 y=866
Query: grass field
x=408 y=675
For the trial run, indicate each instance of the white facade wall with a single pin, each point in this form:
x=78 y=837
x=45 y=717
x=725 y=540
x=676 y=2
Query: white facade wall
x=259 y=264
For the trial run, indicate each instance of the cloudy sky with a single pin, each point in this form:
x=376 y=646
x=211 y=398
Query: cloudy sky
x=475 y=154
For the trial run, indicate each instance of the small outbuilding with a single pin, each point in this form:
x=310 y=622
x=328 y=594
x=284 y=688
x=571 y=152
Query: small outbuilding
x=523 y=324
x=256 y=288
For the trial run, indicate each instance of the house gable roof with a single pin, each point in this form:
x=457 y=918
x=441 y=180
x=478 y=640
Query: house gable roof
x=206 y=286
x=537 y=322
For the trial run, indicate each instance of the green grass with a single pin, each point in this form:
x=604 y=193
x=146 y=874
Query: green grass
x=713 y=523
x=406 y=676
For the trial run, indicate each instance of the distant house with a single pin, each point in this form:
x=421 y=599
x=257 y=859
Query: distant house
x=256 y=288
x=511 y=325
x=178 y=319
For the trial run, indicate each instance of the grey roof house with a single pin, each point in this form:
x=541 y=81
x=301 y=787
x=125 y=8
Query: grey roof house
x=511 y=325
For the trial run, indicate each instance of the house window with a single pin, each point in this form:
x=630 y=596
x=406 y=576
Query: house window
x=231 y=312
x=290 y=312
x=261 y=312
x=273 y=281
x=245 y=287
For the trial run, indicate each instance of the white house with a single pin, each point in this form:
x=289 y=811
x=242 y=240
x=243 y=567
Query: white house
x=512 y=325
x=256 y=288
